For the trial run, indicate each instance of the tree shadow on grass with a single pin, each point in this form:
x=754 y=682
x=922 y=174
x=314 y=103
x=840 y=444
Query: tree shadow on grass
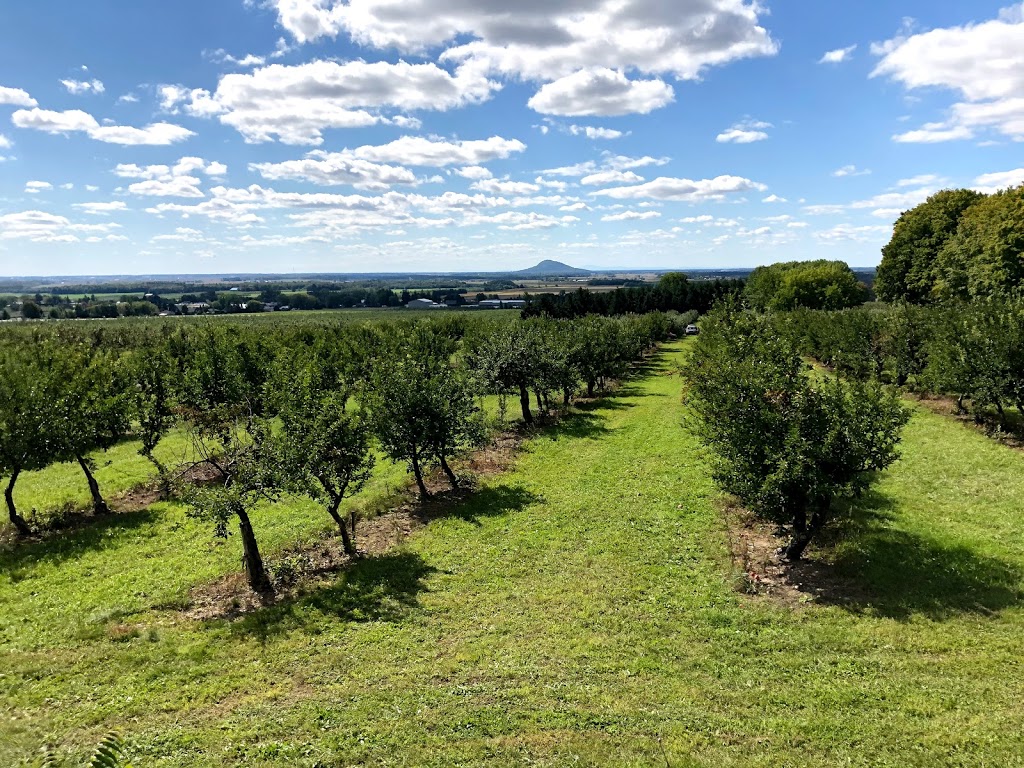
x=384 y=587
x=582 y=422
x=380 y=588
x=473 y=505
x=105 y=532
x=898 y=574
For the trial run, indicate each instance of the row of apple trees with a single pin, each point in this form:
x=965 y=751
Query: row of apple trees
x=972 y=351
x=293 y=411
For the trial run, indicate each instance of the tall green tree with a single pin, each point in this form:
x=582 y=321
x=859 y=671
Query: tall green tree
x=809 y=284
x=910 y=269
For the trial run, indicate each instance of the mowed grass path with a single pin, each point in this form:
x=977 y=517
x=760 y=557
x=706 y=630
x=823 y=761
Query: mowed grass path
x=578 y=610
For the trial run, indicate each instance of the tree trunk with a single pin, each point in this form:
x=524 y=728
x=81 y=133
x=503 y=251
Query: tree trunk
x=99 y=506
x=590 y=387
x=16 y=520
x=346 y=540
x=161 y=472
x=804 y=533
x=255 y=571
x=566 y=396
x=524 y=401
x=418 y=473
x=960 y=404
x=1002 y=416
x=540 y=403
x=448 y=471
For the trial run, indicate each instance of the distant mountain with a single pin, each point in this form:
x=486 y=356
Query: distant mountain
x=548 y=268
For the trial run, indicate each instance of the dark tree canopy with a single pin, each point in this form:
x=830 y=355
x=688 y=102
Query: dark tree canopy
x=910 y=269
x=817 y=284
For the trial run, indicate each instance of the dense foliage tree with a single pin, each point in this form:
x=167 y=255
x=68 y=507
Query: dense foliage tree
x=910 y=269
x=810 y=284
x=323 y=450
x=421 y=407
x=785 y=446
x=985 y=257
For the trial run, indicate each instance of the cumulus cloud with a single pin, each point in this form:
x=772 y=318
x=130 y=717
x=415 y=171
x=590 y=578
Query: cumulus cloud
x=77 y=121
x=774 y=199
x=374 y=166
x=603 y=178
x=746 y=132
x=474 y=172
x=335 y=169
x=34 y=187
x=566 y=42
x=42 y=227
x=79 y=87
x=979 y=61
x=176 y=180
x=5 y=143
x=837 y=56
x=684 y=190
x=102 y=208
x=16 y=97
x=993 y=182
x=601 y=91
x=631 y=216
x=850 y=170
x=295 y=104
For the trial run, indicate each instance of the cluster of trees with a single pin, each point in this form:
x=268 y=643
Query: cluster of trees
x=786 y=444
x=674 y=292
x=299 y=412
x=958 y=244
x=973 y=351
x=817 y=284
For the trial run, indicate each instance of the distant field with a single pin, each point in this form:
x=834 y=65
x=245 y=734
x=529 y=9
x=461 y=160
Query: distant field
x=579 y=610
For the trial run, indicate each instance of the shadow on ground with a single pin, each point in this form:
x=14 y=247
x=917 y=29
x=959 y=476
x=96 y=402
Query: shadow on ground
x=383 y=587
x=104 y=532
x=881 y=569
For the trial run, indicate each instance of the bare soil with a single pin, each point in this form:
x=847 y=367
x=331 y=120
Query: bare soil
x=755 y=547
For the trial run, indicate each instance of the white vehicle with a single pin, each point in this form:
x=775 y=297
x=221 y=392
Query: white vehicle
x=692 y=330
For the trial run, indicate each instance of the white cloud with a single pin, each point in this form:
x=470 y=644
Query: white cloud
x=858 y=234
x=223 y=57
x=336 y=169
x=78 y=87
x=837 y=56
x=296 y=104
x=981 y=62
x=592 y=132
x=600 y=91
x=5 y=143
x=993 y=182
x=169 y=181
x=42 y=227
x=367 y=167
x=76 y=121
x=176 y=186
x=496 y=187
x=16 y=97
x=418 y=151
x=684 y=190
x=631 y=216
x=924 y=179
x=611 y=177
x=850 y=170
x=34 y=187
x=101 y=208
x=774 y=199
x=882 y=205
x=746 y=132
x=542 y=40
x=474 y=172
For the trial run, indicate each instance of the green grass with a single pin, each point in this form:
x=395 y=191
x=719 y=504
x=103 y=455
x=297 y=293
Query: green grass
x=577 y=611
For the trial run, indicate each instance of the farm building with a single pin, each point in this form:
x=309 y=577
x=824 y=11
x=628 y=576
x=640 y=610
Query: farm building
x=423 y=304
x=502 y=304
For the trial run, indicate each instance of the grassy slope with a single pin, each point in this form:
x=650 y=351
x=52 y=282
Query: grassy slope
x=578 y=609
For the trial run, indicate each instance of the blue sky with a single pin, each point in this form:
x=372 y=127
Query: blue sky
x=450 y=135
